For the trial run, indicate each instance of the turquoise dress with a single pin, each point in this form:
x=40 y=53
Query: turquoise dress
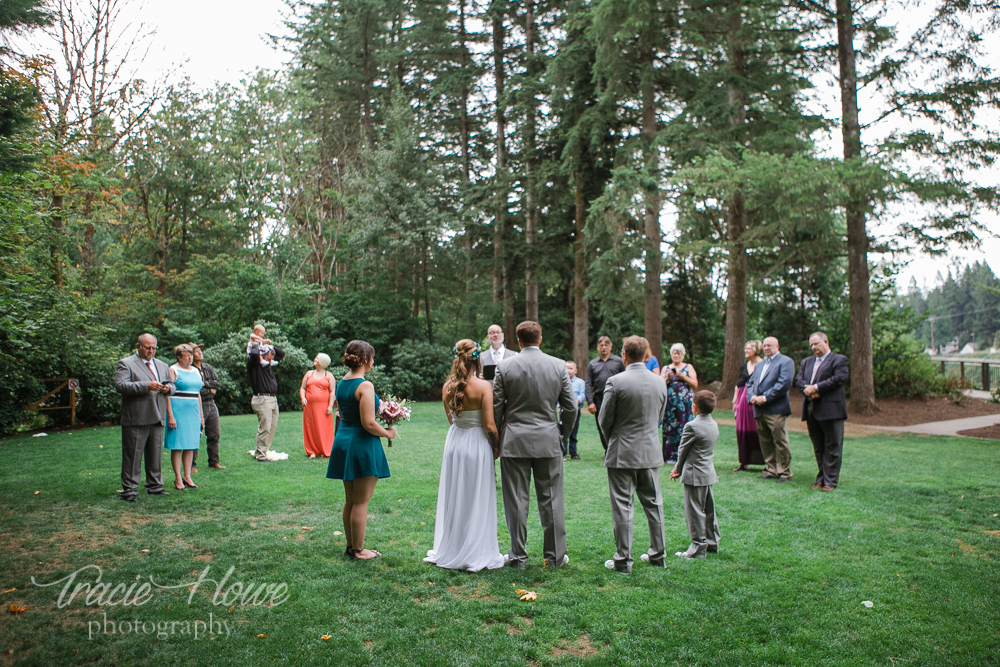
x=184 y=403
x=356 y=452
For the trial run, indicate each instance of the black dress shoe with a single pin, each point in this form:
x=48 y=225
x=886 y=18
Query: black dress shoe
x=161 y=492
x=129 y=499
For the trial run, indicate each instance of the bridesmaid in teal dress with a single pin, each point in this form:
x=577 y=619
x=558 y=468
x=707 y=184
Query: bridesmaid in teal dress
x=357 y=457
x=185 y=418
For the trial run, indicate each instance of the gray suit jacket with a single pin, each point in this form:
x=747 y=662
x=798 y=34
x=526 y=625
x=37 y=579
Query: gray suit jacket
x=694 y=456
x=630 y=414
x=140 y=407
x=525 y=392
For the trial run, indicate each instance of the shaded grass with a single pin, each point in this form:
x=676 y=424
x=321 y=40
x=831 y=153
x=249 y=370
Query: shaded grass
x=908 y=529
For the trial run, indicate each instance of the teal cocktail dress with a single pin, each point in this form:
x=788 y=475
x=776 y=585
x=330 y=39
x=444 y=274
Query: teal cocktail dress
x=356 y=452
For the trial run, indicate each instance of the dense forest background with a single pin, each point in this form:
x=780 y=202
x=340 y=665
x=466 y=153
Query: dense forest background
x=425 y=168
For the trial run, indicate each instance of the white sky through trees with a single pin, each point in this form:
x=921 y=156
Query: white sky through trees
x=223 y=40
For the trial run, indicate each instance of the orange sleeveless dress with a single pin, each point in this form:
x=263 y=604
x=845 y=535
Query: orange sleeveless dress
x=317 y=426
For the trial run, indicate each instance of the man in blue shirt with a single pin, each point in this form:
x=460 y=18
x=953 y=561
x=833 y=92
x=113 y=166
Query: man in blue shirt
x=580 y=394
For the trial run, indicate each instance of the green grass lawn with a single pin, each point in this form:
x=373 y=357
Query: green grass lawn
x=913 y=528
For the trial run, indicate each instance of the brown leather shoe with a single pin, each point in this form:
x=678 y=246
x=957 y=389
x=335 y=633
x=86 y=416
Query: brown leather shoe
x=816 y=485
x=828 y=488
x=217 y=466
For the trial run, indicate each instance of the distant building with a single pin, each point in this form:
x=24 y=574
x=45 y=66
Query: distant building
x=970 y=348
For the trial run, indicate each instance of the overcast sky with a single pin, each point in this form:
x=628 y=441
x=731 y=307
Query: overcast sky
x=222 y=40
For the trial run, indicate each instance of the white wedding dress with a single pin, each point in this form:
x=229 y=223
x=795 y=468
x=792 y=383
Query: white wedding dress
x=465 y=528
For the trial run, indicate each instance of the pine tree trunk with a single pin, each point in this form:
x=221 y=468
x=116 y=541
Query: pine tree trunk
x=499 y=254
x=653 y=321
x=581 y=314
x=736 y=286
x=531 y=213
x=55 y=246
x=464 y=94
x=862 y=375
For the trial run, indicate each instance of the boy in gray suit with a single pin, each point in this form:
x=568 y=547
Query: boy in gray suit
x=697 y=474
x=632 y=404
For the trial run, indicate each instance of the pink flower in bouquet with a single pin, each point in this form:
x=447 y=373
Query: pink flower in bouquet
x=391 y=411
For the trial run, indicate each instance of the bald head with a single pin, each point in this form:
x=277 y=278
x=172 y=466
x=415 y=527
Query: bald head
x=770 y=346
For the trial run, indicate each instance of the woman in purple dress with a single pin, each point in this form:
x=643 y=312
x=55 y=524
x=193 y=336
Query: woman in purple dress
x=681 y=380
x=747 y=443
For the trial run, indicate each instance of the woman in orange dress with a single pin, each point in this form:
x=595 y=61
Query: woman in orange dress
x=318 y=397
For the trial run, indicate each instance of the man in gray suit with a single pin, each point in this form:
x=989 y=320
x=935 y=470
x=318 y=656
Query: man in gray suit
x=525 y=392
x=144 y=383
x=496 y=353
x=697 y=473
x=630 y=413
x=768 y=389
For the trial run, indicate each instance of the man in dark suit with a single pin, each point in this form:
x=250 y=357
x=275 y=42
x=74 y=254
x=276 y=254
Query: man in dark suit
x=496 y=352
x=821 y=380
x=144 y=383
x=768 y=391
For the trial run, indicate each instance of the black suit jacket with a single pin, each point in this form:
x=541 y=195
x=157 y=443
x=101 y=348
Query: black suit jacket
x=830 y=380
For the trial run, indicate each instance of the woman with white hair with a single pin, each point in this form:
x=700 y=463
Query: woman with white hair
x=318 y=394
x=681 y=383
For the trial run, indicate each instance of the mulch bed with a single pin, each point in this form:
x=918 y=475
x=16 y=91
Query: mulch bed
x=991 y=432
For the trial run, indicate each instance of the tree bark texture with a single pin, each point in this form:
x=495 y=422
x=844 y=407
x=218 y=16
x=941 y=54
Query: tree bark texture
x=531 y=212
x=653 y=324
x=581 y=308
x=862 y=373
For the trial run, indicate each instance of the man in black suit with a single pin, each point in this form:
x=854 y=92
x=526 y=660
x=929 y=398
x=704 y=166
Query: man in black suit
x=821 y=379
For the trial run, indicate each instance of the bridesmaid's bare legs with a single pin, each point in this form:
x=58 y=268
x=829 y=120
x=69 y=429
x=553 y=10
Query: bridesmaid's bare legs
x=359 y=492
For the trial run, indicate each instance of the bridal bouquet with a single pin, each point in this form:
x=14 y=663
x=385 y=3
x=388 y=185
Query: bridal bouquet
x=391 y=411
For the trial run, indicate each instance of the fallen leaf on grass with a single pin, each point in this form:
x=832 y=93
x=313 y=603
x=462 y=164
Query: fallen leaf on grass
x=145 y=551
x=306 y=528
x=326 y=637
x=868 y=603
x=520 y=591
x=14 y=609
x=337 y=532
x=10 y=590
x=529 y=596
x=233 y=607
x=37 y=492
x=261 y=636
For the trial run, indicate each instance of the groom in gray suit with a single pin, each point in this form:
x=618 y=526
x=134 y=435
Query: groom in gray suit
x=144 y=383
x=630 y=413
x=525 y=392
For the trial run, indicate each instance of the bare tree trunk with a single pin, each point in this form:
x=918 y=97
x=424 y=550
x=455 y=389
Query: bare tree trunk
x=531 y=212
x=464 y=94
x=736 y=287
x=653 y=320
x=426 y=287
x=501 y=277
x=55 y=246
x=367 y=102
x=862 y=374
x=581 y=308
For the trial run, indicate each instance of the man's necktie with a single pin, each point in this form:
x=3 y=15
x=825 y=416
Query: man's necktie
x=152 y=371
x=819 y=361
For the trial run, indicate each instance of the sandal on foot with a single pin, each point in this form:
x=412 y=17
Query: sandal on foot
x=739 y=468
x=358 y=556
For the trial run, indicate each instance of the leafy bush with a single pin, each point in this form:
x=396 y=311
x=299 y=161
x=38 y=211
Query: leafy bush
x=377 y=375
x=419 y=369
x=230 y=360
x=902 y=369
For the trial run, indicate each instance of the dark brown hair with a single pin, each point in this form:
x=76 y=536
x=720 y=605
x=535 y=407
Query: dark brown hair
x=634 y=348
x=357 y=354
x=529 y=333
x=705 y=400
x=462 y=369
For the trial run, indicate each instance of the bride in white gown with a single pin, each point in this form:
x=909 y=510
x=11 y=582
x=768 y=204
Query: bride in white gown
x=465 y=528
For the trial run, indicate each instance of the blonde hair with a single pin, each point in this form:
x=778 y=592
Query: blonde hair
x=182 y=349
x=465 y=365
x=758 y=347
x=649 y=351
x=324 y=360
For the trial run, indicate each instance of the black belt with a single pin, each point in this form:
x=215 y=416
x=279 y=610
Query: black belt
x=186 y=394
x=271 y=395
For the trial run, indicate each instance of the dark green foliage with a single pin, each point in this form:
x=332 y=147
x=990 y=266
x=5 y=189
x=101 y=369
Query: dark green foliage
x=419 y=369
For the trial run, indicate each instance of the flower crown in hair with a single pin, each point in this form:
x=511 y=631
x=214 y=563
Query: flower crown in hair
x=475 y=352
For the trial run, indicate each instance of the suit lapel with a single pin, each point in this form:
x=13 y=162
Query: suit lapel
x=144 y=367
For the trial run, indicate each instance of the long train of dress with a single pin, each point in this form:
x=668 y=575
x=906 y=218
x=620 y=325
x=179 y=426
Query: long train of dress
x=465 y=528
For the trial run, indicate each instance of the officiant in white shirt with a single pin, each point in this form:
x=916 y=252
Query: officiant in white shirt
x=496 y=352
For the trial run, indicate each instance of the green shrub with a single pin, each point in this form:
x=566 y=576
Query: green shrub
x=377 y=375
x=902 y=369
x=419 y=369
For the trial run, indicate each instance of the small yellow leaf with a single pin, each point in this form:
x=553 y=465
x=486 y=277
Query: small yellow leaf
x=100 y=446
x=337 y=532
x=10 y=590
x=261 y=636
x=306 y=528
x=145 y=551
x=233 y=607
x=521 y=591
x=326 y=637
x=529 y=596
x=37 y=492
x=14 y=609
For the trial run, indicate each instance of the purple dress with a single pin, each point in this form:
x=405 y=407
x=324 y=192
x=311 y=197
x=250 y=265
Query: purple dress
x=747 y=442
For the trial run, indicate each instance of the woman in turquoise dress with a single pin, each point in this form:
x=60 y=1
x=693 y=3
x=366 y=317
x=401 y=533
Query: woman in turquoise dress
x=681 y=381
x=357 y=457
x=185 y=418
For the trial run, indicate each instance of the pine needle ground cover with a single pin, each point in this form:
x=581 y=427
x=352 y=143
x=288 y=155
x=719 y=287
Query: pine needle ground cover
x=913 y=529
